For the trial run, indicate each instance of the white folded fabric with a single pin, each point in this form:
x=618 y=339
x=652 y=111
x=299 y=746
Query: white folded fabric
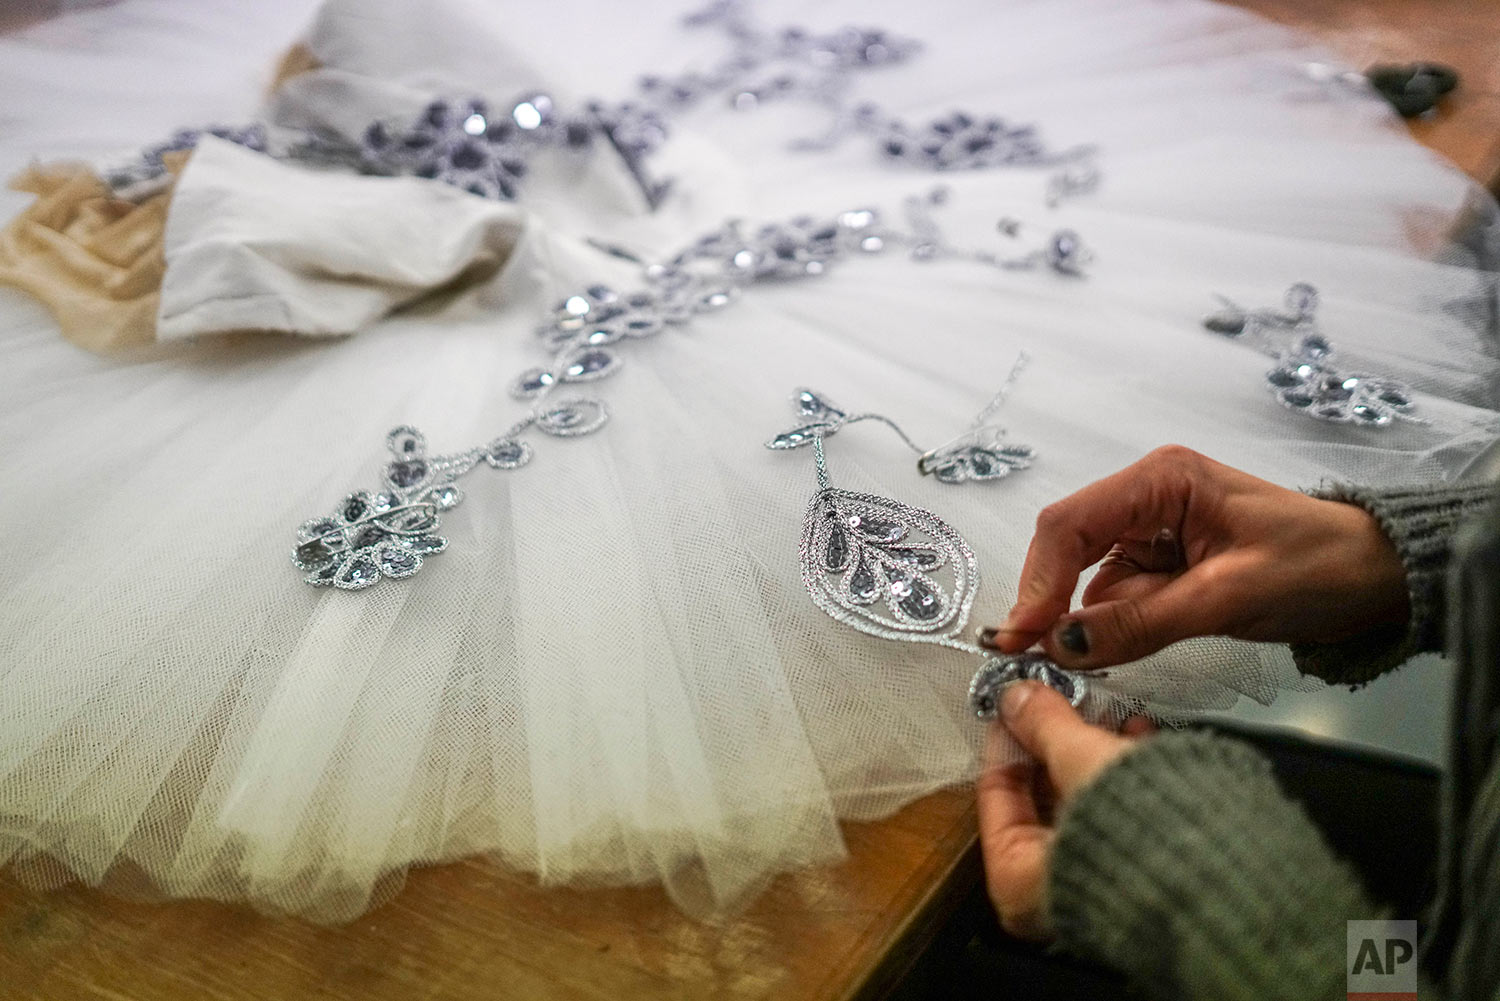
x=253 y=243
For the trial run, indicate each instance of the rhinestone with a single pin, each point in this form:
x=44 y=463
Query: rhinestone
x=872 y=244
x=576 y=305
x=532 y=382
x=445 y=497
x=593 y=364
x=475 y=125
x=1283 y=377
x=527 y=115
x=508 y=453
x=573 y=417
x=858 y=219
x=796 y=438
x=404 y=474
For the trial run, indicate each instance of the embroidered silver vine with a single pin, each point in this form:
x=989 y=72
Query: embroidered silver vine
x=487 y=148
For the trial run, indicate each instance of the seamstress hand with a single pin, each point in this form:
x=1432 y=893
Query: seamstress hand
x=1191 y=547
x=1017 y=801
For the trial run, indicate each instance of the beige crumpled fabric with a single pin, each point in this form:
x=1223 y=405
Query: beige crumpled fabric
x=94 y=260
x=239 y=241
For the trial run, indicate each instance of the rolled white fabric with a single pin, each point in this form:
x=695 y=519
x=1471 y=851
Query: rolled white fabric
x=254 y=243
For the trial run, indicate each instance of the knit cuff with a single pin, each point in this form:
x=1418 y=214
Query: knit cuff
x=1185 y=867
x=1420 y=522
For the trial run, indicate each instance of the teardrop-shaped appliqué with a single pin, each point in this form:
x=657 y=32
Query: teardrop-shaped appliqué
x=836 y=548
x=585 y=366
x=797 y=437
x=913 y=595
x=862 y=588
x=532 y=382
x=908 y=574
x=810 y=404
x=569 y=418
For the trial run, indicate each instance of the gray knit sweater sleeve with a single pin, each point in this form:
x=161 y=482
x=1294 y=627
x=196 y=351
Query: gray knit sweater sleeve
x=1184 y=867
x=1421 y=522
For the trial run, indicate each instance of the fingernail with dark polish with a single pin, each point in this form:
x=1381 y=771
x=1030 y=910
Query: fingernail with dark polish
x=1073 y=638
x=986 y=638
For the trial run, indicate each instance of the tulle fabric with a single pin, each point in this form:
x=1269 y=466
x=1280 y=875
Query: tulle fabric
x=614 y=673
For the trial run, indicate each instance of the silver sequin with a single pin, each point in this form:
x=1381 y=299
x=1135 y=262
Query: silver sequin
x=999 y=672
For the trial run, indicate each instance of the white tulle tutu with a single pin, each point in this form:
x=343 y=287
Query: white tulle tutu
x=614 y=672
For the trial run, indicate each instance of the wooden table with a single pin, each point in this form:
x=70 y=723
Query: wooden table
x=1464 y=34
x=473 y=930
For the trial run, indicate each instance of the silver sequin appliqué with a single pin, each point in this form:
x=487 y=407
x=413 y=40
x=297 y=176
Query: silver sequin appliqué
x=389 y=533
x=1306 y=377
x=896 y=571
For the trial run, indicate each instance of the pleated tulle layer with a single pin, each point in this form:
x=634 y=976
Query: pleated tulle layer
x=614 y=674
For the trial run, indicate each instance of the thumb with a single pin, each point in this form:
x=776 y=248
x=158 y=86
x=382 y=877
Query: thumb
x=1050 y=730
x=1126 y=629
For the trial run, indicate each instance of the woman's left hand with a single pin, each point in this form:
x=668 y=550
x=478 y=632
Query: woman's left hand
x=1018 y=802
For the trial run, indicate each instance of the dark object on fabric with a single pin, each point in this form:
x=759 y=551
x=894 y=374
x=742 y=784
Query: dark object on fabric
x=1414 y=89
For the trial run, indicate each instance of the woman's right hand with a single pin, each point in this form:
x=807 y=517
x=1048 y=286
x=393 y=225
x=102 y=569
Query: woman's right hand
x=1191 y=547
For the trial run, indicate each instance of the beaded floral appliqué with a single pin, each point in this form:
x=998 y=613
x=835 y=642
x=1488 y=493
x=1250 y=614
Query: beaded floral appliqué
x=1305 y=377
x=389 y=533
